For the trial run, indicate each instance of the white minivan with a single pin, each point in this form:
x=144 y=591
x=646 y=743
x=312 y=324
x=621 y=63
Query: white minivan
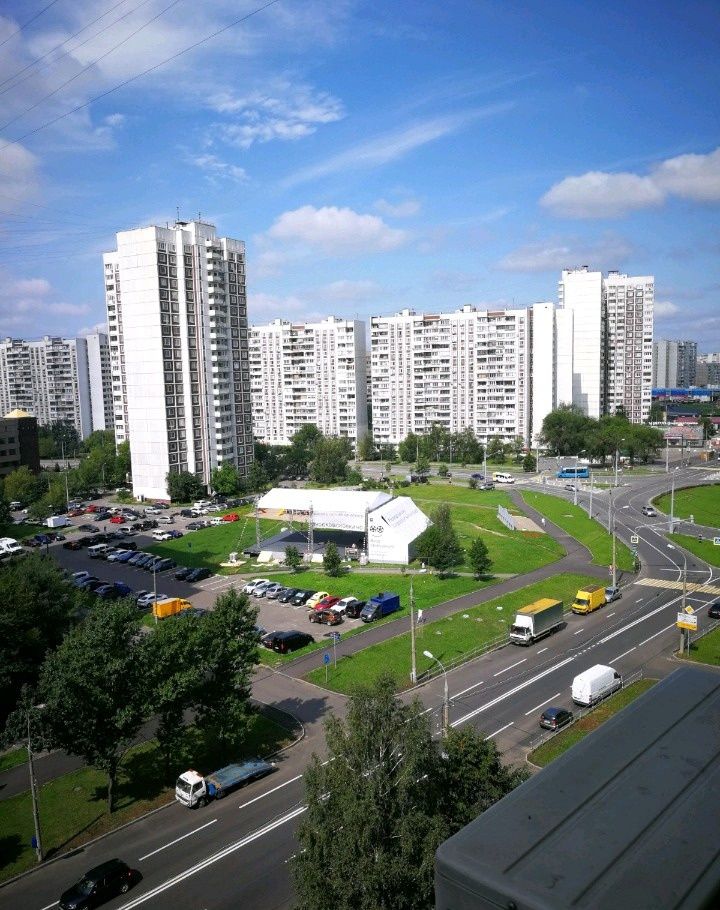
x=502 y=477
x=98 y=551
x=594 y=684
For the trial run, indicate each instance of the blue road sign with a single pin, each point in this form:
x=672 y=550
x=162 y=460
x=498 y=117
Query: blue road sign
x=326 y=658
x=335 y=636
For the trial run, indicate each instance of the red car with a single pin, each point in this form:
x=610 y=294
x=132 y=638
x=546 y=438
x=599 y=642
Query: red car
x=118 y=520
x=91 y=509
x=232 y=516
x=76 y=513
x=327 y=603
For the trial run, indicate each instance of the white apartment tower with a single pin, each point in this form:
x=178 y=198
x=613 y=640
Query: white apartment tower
x=99 y=381
x=308 y=373
x=177 y=322
x=580 y=292
x=55 y=379
x=468 y=369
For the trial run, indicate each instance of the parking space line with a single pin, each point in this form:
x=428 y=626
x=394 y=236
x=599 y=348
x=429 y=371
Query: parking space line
x=543 y=649
x=51 y=905
x=542 y=703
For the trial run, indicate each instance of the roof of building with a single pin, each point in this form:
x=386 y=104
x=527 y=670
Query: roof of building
x=17 y=414
x=343 y=509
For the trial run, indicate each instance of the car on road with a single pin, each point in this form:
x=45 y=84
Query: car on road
x=649 y=511
x=249 y=588
x=301 y=598
x=570 y=487
x=316 y=598
x=287 y=595
x=199 y=574
x=714 y=610
x=555 y=718
x=612 y=594
x=99 y=885
x=477 y=475
x=285 y=642
x=231 y=516
x=147 y=600
x=326 y=617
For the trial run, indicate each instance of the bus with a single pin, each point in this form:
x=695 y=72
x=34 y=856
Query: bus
x=573 y=474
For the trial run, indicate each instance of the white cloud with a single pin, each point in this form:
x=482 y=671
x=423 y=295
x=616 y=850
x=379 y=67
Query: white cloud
x=93 y=329
x=19 y=174
x=598 y=194
x=215 y=168
x=264 y=307
x=115 y=120
x=556 y=254
x=31 y=287
x=29 y=308
x=338 y=231
x=665 y=308
x=403 y=209
x=347 y=291
x=391 y=146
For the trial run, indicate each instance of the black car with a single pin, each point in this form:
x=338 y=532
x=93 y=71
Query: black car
x=198 y=574
x=714 y=610
x=102 y=516
x=554 y=718
x=285 y=642
x=287 y=595
x=99 y=885
x=183 y=573
x=302 y=597
x=186 y=513
x=196 y=525
x=87 y=528
x=75 y=544
x=354 y=609
x=165 y=564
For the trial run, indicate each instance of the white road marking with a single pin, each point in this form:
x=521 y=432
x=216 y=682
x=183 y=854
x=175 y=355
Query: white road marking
x=511 y=692
x=216 y=857
x=274 y=790
x=620 y=656
x=177 y=840
x=542 y=649
x=636 y=622
x=500 y=730
x=51 y=905
x=609 y=615
x=671 y=626
x=579 y=630
x=542 y=703
x=512 y=666
x=469 y=688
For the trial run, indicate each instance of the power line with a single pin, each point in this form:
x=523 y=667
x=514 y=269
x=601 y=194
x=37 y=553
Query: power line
x=28 y=22
x=150 y=69
x=67 y=41
x=90 y=65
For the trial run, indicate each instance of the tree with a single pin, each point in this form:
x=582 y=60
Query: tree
x=466 y=449
x=5 y=513
x=564 y=430
x=257 y=477
x=439 y=544
x=479 y=557
x=228 y=644
x=422 y=465
x=38 y=607
x=518 y=447
x=52 y=502
x=496 y=450
x=183 y=486
x=225 y=479
x=443 y=470
x=387 y=452
x=123 y=465
x=302 y=449
x=409 y=448
x=473 y=483
x=332 y=564
x=529 y=464
x=366 y=448
x=415 y=793
x=293 y=558
x=330 y=461
x=93 y=686
x=99 y=439
x=21 y=485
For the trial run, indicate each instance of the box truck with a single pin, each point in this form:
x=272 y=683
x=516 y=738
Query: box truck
x=194 y=790
x=536 y=620
x=170 y=606
x=589 y=599
x=381 y=605
x=594 y=684
x=57 y=521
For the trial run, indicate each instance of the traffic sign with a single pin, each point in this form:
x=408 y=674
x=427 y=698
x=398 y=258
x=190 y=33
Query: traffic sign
x=634 y=539
x=687 y=622
x=716 y=541
x=335 y=636
x=326 y=658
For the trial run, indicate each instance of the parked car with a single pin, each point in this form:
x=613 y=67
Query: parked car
x=196 y=526
x=153 y=510
x=88 y=529
x=92 y=586
x=166 y=520
x=152 y=564
x=147 y=600
x=216 y=521
x=79 y=576
x=123 y=589
x=259 y=590
x=287 y=595
x=612 y=594
x=554 y=718
x=175 y=534
x=342 y=605
x=142 y=560
x=714 y=610
x=165 y=564
x=107 y=592
x=162 y=535
x=326 y=617
x=75 y=544
x=113 y=555
x=231 y=516
x=649 y=511
x=354 y=609
x=127 y=532
x=91 y=508
x=249 y=587
x=126 y=556
x=488 y=485
x=327 y=603
x=284 y=642
x=76 y=513
x=136 y=557
x=183 y=573
x=99 y=885
x=118 y=520
x=186 y=513
x=301 y=598
x=317 y=597
x=199 y=574
x=274 y=591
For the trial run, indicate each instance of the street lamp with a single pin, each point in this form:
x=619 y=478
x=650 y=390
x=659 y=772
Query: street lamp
x=617 y=458
x=446 y=697
x=33 y=785
x=671 y=520
x=684 y=595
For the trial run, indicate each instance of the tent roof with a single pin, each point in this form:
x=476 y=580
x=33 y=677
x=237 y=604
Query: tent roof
x=327 y=501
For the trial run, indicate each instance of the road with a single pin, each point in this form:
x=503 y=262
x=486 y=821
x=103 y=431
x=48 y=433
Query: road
x=234 y=853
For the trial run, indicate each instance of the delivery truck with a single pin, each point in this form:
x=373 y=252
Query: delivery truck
x=594 y=684
x=589 y=599
x=536 y=620
x=381 y=605
x=170 y=606
x=57 y=521
x=194 y=790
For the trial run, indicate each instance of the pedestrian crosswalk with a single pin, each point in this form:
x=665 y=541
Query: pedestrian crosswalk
x=673 y=585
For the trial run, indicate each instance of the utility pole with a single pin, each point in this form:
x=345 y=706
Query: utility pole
x=592 y=481
x=614 y=555
x=672 y=503
x=33 y=792
x=667 y=454
x=413 y=667
x=257 y=523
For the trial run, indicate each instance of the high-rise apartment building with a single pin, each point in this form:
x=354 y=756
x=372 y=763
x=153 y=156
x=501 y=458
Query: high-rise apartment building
x=612 y=337
x=674 y=364
x=468 y=369
x=177 y=323
x=51 y=380
x=308 y=373
x=99 y=381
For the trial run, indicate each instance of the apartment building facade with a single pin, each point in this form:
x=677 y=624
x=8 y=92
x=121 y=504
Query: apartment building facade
x=674 y=364
x=468 y=369
x=177 y=325
x=308 y=373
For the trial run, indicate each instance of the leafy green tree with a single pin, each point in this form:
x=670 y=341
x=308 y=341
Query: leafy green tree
x=302 y=449
x=366 y=450
x=94 y=688
x=125 y=496
x=52 y=502
x=409 y=448
x=99 y=439
x=496 y=450
x=466 y=449
x=5 y=513
x=293 y=558
x=23 y=486
x=518 y=447
x=436 y=442
x=388 y=452
x=228 y=644
x=183 y=486
x=479 y=557
x=332 y=564
x=443 y=470
x=472 y=483
x=529 y=464
x=273 y=460
x=438 y=544
x=330 y=461
x=258 y=477
x=38 y=607
x=422 y=465
x=606 y=436
x=123 y=465
x=226 y=479
x=564 y=430
x=646 y=442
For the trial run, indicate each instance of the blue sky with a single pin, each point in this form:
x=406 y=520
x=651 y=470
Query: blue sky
x=372 y=155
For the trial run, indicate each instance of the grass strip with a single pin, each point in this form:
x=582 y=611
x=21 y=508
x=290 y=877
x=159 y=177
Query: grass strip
x=705 y=650
x=12 y=758
x=587 y=531
x=563 y=740
x=705 y=548
x=703 y=503
x=449 y=639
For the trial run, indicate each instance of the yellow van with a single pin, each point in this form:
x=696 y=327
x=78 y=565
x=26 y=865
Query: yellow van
x=589 y=599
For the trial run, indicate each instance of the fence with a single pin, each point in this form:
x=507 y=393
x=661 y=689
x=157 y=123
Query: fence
x=506 y=518
x=493 y=645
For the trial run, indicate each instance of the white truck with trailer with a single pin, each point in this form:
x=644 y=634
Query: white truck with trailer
x=193 y=790
x=536 y=620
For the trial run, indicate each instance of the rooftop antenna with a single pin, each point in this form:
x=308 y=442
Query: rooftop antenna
x=177 y=209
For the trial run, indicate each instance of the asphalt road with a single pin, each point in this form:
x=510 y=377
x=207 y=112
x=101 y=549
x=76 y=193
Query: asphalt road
x=234 y=853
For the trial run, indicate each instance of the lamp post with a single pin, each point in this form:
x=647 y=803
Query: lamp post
x=617 y=459
x=413 y=667
x=155 y=593
x=671 y=520
x=33 y=786
x=446 y=697
x=684 y=591
x=592 y=482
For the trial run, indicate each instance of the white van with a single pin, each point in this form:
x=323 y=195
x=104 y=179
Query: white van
x=159 y=534
x=501 y=477
x=98 y=550
x=594 y=684
x=202 y=504
x=10 y=547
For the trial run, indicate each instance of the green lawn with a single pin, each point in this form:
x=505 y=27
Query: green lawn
x=19 y=532
x=449 y=639
x=428 y=590
x=705 y=549
x=586 y=530
x=474 y=514
x=73 y=808
x=562 y=741
x=12 y=758
x=703 y=503
x=705 y=650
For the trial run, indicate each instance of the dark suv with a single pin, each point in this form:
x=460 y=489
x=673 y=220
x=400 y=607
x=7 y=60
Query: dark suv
x=99 y=885
x=301 y=598
x=554 y=718
x=285 y=642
